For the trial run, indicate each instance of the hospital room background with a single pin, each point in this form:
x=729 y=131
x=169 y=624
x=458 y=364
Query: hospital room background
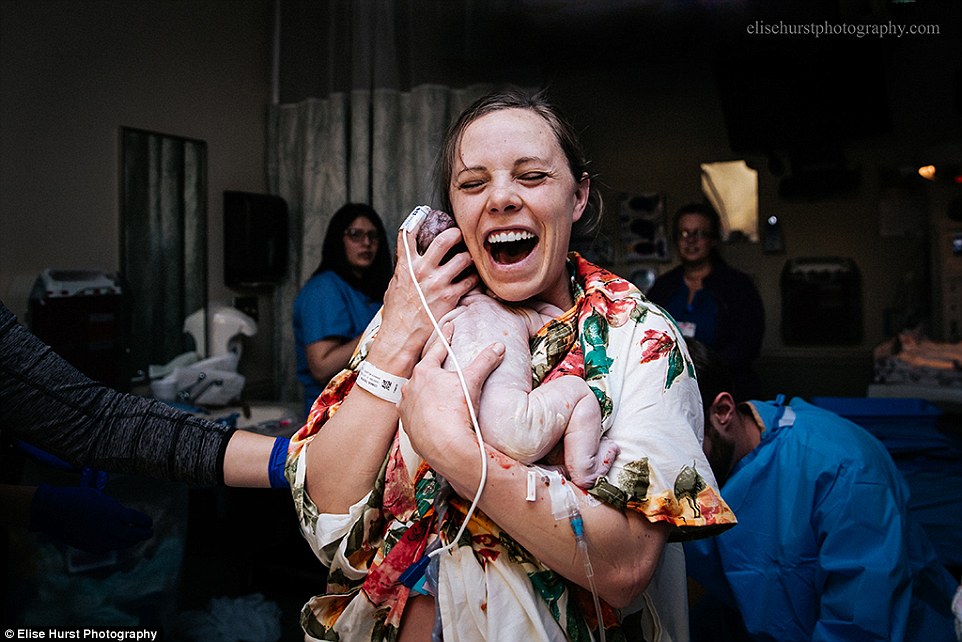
x=847 y=214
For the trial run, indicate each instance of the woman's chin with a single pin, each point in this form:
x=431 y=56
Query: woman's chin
x=518 y=290
x=510 y=281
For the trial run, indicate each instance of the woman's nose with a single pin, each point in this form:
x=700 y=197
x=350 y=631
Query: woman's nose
x=504 y=198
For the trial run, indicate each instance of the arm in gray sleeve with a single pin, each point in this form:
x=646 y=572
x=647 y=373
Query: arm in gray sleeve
x=50 y=404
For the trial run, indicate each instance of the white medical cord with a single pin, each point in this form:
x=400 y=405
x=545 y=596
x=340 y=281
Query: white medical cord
x=467 y=398
x=574 y=515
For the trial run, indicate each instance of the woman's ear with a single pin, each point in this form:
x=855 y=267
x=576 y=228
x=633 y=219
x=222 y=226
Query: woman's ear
x=582 y=190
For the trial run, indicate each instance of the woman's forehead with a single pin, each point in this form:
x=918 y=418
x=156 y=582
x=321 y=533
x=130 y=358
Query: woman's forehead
x=362 y=221
x=694 y=218
x=506 y=130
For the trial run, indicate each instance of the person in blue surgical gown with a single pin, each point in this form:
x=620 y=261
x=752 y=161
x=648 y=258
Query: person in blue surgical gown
x=825 y=548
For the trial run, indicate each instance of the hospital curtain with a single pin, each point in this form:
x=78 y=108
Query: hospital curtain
x=375 y=146
x=164 y=222
x=364 y=90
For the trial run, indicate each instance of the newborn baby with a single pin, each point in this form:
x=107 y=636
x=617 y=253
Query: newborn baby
x=520 y=422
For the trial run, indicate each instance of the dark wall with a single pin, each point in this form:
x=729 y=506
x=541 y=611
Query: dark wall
x=658 y=90
x=72 y=74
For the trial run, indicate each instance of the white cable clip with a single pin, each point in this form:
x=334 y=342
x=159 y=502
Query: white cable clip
x=413 y=221
x=381 y=384
x=532 y=486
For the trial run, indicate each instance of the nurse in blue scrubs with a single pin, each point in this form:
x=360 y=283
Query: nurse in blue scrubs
x=710 y=300
x=342 y=296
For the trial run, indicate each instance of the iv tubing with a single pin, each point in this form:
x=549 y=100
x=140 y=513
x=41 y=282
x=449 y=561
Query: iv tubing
x=574 y=515
x=581 y=541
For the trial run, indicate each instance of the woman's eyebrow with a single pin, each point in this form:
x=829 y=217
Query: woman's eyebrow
x=524 y=160
x=476 y=168
x=529 y=159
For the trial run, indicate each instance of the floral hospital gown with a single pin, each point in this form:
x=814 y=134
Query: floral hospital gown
x=634 y=360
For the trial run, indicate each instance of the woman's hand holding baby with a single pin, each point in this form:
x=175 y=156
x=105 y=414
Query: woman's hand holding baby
x=433 y=410
x=405 y=327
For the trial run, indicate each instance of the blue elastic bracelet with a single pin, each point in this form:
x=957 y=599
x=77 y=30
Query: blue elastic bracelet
x=275 y=468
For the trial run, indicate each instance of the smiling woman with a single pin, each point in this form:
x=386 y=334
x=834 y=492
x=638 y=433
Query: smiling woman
x=381 y=504
x=515 y=199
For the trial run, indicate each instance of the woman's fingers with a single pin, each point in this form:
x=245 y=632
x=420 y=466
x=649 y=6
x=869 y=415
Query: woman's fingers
x=445 y=382
x=435 y=262
x=432 y=406
x=436 y=351
x=437 y=283
x=481 y=368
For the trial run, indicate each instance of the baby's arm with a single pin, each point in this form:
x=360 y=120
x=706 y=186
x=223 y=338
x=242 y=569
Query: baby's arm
x=524 y=423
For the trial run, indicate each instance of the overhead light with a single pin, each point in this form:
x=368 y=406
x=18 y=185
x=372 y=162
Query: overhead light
x=943 y=173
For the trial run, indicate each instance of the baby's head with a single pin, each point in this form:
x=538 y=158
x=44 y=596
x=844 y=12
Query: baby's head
x=433 y=224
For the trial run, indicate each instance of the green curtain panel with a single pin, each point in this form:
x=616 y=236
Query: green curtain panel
x=164 y=241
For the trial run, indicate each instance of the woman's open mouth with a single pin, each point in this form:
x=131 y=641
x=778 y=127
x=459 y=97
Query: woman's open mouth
x=507 y=247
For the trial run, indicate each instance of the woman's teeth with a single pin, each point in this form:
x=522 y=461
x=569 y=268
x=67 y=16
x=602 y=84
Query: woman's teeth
x=509 y=237
x=511 y=246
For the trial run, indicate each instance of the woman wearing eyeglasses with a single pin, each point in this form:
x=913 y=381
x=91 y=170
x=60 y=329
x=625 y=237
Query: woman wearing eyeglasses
x=341 y=297
x=710 y=300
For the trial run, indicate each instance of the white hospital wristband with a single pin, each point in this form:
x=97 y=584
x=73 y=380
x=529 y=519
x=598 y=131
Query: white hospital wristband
x=379 y=383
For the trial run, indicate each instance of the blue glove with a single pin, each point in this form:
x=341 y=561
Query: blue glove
x=85 y=518
x=275 y=467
